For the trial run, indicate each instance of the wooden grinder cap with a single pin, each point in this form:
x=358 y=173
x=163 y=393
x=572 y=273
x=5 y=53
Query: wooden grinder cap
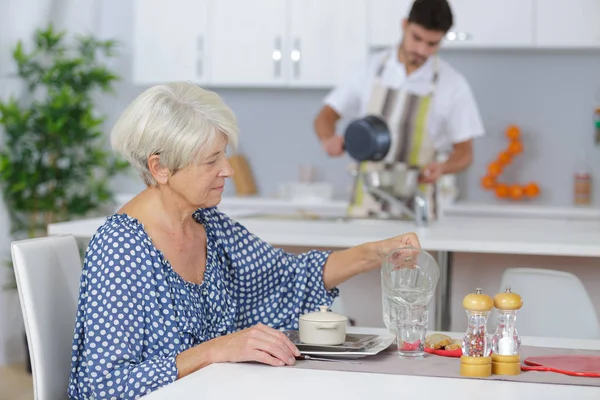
x=508 y=300
x=478 y=301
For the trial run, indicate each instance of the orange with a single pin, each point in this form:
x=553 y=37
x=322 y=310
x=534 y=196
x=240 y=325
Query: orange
x=488 y=182
x=504 y=158
x=516 y=192
x=515 y=147
x=494 y=169
x=513 y=132
x=532 y=189
x=501 y=190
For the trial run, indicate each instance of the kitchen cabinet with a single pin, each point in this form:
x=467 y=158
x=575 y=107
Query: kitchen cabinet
x=568 y=23
x=248 y=39
x=169 y=41
x=384 y=21
x=241 y=43
x=327 y=38
x=477 y=23
x=491 y=24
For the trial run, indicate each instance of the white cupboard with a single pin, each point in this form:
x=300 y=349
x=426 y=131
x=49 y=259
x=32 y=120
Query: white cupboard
x=384 y=21
x=170 y=41
x=312 y=43
x=568 y=23
x=247 y=40
x=491 y=24
x=249 y=43
x=327 y=38
x=477 y=23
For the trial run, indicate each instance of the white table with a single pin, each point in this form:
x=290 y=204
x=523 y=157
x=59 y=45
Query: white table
x=251 y=381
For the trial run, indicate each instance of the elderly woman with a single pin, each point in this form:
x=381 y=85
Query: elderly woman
x=170 y=284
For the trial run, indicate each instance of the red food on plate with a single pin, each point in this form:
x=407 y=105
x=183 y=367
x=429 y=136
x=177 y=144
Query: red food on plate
x=445 y=353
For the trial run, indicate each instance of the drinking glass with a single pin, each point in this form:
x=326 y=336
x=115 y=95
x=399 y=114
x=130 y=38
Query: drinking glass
x=408 y=279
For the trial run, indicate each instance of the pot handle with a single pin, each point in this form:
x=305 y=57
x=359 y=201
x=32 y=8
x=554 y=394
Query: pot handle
x=329 y=325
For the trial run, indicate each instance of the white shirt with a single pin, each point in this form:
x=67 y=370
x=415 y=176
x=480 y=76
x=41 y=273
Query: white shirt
x=454 y=115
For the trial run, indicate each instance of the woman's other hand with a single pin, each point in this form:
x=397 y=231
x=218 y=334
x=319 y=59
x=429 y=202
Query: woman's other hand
x=259 y=343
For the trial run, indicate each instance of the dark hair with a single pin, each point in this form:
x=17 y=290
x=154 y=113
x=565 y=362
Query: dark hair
x=434 y=15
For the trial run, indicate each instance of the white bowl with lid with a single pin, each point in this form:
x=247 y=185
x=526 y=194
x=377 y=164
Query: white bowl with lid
x=322 y=327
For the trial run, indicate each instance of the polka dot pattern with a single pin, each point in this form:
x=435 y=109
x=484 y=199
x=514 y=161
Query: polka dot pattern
x=136 y=314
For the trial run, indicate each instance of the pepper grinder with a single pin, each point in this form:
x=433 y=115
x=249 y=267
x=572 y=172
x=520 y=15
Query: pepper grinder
x=506 y=340
x=476 y=360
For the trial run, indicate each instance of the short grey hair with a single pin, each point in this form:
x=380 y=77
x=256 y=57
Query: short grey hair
x=178 y=120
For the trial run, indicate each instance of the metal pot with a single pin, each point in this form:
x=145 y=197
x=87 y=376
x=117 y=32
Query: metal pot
x=367 y=139
x=400 y=180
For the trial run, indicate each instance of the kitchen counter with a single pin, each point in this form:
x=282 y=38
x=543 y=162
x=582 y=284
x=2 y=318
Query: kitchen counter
x=541 y=236
x=566 y=234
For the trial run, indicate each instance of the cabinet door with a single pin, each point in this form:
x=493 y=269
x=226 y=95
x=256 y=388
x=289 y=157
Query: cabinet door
x=384 y=21
x=247 y=40
x=491 y=23
x=169 y=41
x=568 y=23
x=326 y=38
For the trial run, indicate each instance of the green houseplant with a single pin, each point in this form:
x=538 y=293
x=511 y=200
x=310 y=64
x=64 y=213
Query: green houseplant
x=54 y=164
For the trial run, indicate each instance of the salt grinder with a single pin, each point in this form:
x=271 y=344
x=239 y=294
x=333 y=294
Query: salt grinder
x=476 y=360
x=506 y=340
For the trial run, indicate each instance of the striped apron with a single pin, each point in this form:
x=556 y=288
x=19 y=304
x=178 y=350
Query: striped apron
x=406 y=115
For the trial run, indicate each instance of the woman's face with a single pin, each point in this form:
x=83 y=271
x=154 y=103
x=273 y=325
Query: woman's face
x=202 y=182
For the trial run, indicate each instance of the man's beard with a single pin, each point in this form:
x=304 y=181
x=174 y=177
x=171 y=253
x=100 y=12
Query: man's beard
x=415 y=60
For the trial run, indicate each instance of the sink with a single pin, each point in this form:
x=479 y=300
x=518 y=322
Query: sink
x=323 y=218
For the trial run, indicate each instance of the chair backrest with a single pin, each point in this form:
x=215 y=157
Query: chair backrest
x=47 y=272
x=555 y=303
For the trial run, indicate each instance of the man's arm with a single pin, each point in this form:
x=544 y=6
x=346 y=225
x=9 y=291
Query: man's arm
x=460 y=158
x=324 y=126
x=325 y=123
x=342 y=101
x=463 y=125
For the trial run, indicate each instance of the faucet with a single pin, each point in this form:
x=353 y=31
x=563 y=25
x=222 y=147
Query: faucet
x=421 y=214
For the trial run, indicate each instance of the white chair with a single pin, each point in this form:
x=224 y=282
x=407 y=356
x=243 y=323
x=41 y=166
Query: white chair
x=555 y=304
x=47 y=272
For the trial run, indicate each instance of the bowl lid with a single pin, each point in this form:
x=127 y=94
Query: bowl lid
x=323 y=316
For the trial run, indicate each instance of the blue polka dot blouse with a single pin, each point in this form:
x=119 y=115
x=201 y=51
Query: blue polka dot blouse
x=135 y=313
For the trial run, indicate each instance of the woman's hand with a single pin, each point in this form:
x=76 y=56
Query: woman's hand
x=259 y=343
x=343 y=265
x=384 y=247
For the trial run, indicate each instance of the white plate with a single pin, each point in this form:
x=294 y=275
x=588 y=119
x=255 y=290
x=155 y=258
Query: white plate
x=382 y=343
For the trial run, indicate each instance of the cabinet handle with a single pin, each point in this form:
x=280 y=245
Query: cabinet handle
x=458 y=36
x=295 y=56
x=200 y=62
x=277 y=55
